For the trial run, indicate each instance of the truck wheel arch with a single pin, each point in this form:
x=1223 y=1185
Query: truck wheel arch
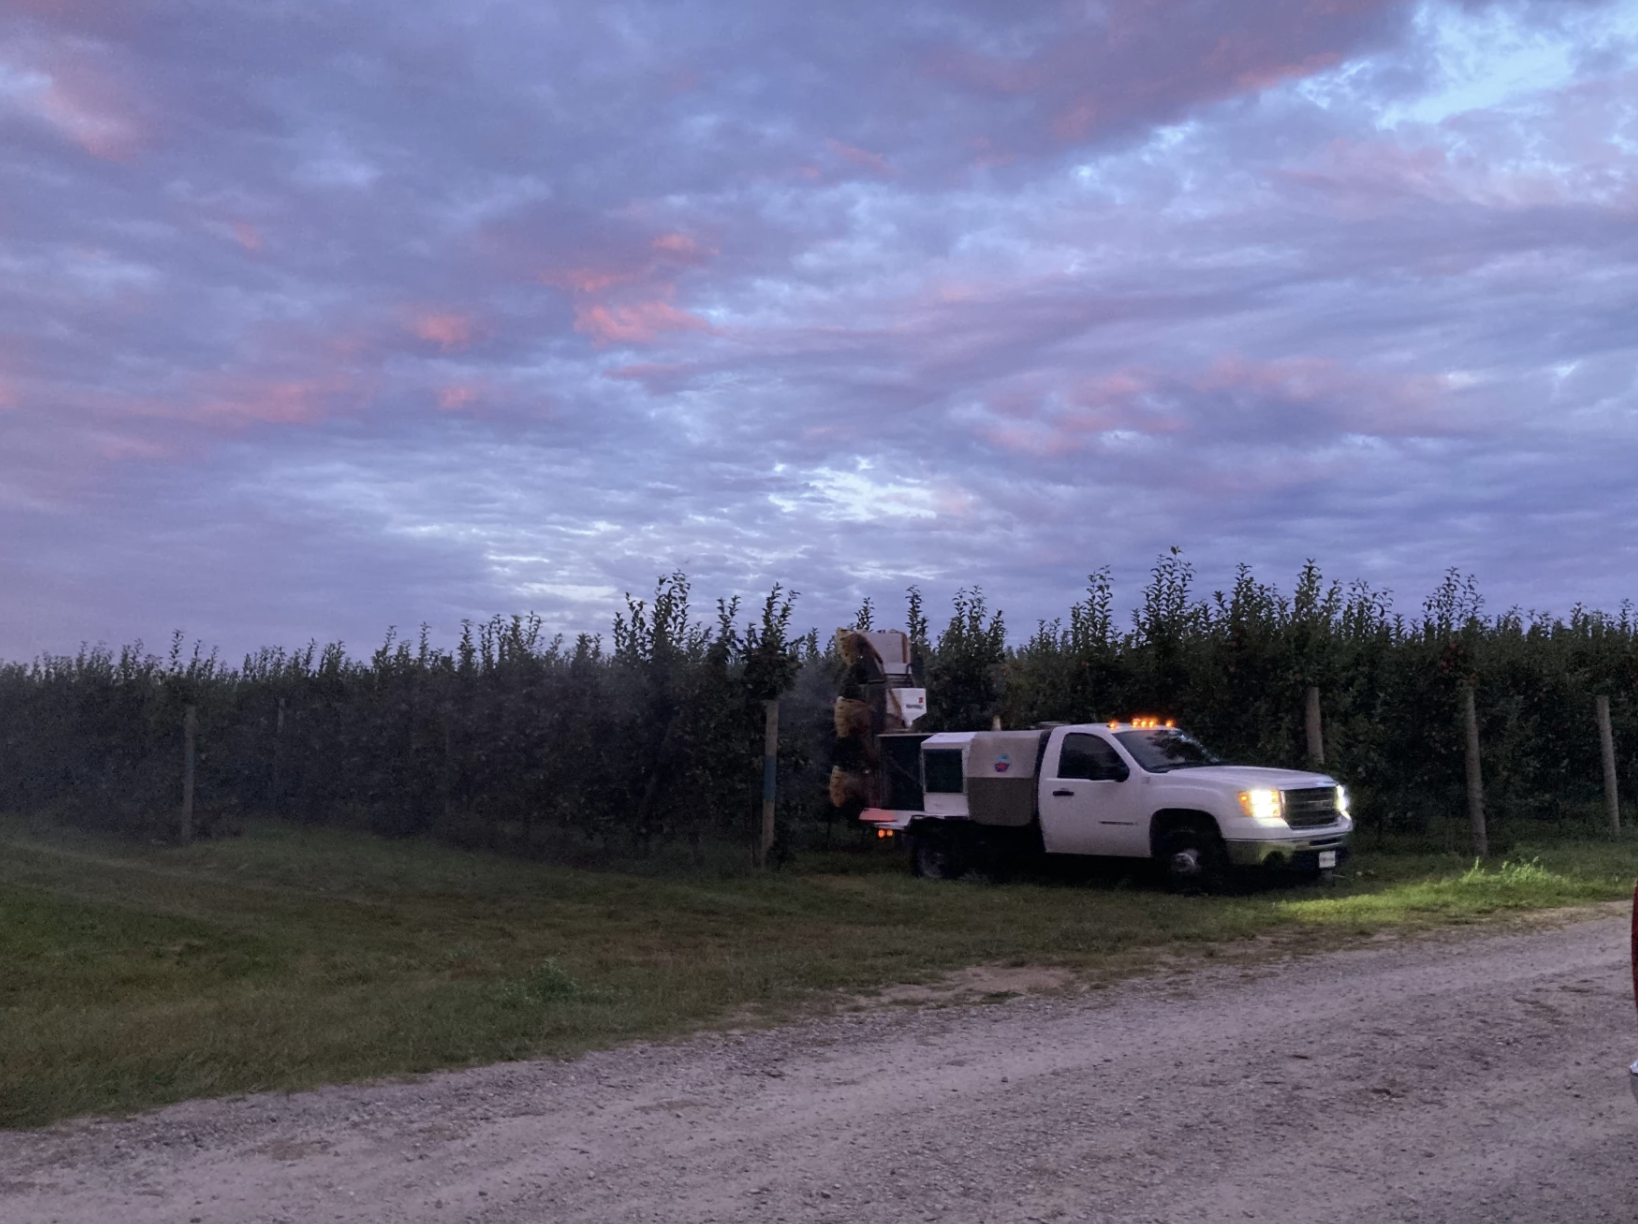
x=1168 y=820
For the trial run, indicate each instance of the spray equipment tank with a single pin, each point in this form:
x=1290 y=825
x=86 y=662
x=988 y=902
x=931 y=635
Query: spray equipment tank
x=904 y=702
x=987 y=777
x=879 y=697
x=1001 y=769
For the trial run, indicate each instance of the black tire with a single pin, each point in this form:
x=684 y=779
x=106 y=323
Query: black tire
x=935 y=856
x=1194 y=861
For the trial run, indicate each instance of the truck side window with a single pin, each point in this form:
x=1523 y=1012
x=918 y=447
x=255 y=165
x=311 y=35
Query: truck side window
x=941 y=768
x=1092 y=758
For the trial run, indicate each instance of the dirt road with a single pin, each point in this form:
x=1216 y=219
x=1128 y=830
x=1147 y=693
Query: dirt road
x=1472 y=1078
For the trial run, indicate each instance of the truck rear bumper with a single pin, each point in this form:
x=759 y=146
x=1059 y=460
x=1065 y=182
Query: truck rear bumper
x=1301 y=853
x=887 y=820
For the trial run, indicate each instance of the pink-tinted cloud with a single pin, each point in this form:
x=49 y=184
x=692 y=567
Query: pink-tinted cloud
x=1260 y=59
x=85 y=95
x=1040 y=420
x=623 y=264
x=988 y=154
x=627 y=299
x=1039 y=441
x=635 y=322
x=590 y=280
x=859 y=157
x=682 y=247
x=1132 y=61
x=1377 y=177
x=283 y=375
x=449 y=330
x=242 y=399
x=247 y=236
x=1267 y=76
x=117 y=447
x=1233 y=396
x=1368 y=178
x=458 y=397
x=655 y=376
x=1351 y=399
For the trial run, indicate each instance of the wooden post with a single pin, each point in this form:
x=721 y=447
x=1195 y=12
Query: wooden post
x=190 y=733
x=1606 y=743
x=278 y=756
x=1475 y=778
x=446 y=778
x=1316 y=734
x=770 y=778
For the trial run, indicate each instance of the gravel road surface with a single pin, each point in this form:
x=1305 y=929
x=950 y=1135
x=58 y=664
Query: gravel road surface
x=1478 y=1077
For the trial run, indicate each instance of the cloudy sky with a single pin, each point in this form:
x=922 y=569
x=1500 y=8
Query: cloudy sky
x=318 y=316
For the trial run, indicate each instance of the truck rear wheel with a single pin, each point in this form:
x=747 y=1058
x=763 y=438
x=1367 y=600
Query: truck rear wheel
x=1194 y=861
x=935 y=856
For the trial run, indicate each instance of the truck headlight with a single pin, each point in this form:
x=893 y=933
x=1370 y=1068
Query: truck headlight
x=1263 y=804
x=1342 y=800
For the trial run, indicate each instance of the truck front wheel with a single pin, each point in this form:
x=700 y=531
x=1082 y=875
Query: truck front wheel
x=1194 y=861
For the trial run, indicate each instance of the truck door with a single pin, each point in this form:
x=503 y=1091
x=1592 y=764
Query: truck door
x=1090 y=803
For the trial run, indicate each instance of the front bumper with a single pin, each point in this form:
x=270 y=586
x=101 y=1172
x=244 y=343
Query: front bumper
x=1300 y=851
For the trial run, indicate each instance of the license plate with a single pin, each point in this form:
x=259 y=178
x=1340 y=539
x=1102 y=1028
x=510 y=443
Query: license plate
x=1328 y=858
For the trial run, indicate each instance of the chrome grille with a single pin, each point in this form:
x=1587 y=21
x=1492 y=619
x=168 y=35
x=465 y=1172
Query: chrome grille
x=1315 y=805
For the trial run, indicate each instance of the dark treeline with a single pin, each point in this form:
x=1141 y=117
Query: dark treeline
x=610 y=748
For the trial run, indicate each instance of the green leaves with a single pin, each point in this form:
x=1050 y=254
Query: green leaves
x=966 y=671
x=516 y=739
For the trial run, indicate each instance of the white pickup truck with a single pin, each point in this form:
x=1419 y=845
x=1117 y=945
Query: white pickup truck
x=1140 y=790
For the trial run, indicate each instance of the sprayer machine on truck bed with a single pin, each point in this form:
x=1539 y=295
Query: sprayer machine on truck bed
x=1141 y=790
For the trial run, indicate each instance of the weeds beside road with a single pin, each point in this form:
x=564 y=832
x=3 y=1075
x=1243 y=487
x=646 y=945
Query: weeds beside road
x=132 y=976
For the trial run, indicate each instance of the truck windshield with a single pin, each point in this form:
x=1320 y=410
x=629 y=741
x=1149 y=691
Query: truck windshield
x=1163 y=749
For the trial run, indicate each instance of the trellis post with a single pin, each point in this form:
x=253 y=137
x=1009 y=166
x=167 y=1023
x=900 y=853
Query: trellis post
x=1475 y=777
x=1606 y=744
x=770 y=778
x=1316 y=731
x=190 y=733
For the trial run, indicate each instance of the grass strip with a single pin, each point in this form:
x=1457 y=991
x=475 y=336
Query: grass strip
x=133 y=976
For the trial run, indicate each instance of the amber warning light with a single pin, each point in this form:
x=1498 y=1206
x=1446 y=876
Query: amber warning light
x=1151 y=724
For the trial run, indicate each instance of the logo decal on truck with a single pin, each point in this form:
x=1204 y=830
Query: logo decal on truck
x=1002 y=763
